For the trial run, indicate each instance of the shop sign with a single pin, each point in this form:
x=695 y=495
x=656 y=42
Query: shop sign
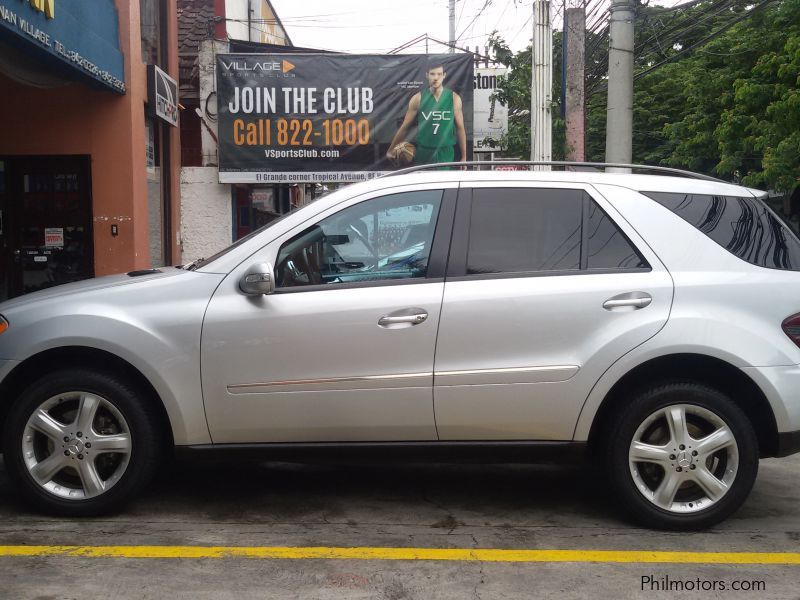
x=48 y=7
x=54 y=237
x=162 y=95
x=82 y=36
x=294 y=118
x=491 y=116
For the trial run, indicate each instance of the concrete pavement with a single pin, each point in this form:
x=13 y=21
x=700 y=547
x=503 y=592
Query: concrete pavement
x=397 y=506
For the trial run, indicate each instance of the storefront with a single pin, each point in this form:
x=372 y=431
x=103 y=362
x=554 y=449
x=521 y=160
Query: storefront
x=88 y=166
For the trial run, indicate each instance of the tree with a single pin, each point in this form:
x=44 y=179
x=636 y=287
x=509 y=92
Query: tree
x=515 y=92
x=716 y=90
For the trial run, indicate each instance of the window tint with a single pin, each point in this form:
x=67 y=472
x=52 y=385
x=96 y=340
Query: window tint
x=609 y=248
x=380 y=239
x=522 y=230
x=743 y=226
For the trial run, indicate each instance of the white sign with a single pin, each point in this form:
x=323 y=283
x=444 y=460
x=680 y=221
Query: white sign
x=490 y=117
x=54 y=237
x=298 y=176
x=162 y=95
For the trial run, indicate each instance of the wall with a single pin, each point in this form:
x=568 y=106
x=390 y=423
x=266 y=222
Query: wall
x=263 y=26
x=236 y=19
x=206 y=209
x=77 y=119
x=270 y=32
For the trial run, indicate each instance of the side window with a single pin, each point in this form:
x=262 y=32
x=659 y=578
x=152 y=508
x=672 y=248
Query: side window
x=517 y=230
x=380 y=239
x=743 y=226
x=608 y=247
x=524 y=230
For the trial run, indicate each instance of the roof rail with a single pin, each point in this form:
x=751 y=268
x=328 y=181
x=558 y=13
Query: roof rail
x=555 y=163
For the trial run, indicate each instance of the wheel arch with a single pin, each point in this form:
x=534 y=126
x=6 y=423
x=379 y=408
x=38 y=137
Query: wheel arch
x=55 y=359
x=697 y=368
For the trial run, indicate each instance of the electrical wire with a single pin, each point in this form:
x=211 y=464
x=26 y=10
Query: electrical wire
x=691 y=47
x=672 y=33
x=486 y=4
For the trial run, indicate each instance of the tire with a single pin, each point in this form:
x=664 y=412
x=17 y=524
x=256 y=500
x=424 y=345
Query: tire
x=80 y=443
x=681 y=482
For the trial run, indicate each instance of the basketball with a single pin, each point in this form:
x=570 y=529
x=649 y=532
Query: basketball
x=404 y=153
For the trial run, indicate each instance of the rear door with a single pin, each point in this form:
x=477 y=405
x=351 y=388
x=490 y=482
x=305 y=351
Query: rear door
x=547 y=286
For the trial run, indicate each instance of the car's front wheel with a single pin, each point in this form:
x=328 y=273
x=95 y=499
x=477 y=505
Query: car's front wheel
x=79 y=442
x=681 y=456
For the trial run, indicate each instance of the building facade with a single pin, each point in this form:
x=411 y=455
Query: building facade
x=215 y=214
x=89 y=163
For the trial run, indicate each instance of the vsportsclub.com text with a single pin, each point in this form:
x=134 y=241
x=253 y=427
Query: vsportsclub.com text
x=301 y=153
x=665 y=583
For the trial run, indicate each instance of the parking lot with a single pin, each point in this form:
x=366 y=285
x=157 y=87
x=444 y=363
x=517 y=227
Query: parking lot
x=262 y=510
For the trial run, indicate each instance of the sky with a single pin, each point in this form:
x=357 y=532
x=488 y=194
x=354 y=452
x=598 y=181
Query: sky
x=380 y=26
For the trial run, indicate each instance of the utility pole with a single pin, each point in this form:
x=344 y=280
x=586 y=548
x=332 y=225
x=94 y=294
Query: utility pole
x=575 y=30
x=619 y=121
x=541 y=84
x=453 y=26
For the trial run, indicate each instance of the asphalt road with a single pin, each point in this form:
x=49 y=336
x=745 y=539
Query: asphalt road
x=197 y=505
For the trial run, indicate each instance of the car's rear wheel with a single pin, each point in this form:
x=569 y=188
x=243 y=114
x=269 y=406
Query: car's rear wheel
x=79 y=442
x=682 y=456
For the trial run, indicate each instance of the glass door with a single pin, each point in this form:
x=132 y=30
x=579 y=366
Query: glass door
x=47 y=222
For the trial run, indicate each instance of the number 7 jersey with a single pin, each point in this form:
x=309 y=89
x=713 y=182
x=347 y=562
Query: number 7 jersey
x=435 y=120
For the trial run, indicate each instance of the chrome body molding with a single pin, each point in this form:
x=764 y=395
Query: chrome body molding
x=549 y=374
x=525 y=374
x=328 y=382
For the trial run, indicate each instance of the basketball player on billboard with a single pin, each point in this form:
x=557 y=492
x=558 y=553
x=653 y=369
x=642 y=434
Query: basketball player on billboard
x=440 y=124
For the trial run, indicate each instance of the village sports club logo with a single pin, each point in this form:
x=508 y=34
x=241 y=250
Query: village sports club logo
x=264 y=68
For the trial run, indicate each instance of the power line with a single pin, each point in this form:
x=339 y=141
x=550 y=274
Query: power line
x=503 y=14
x=475 y=18
x=673 y=32
x=691 y=47
x=461 y=12
x=702 y=41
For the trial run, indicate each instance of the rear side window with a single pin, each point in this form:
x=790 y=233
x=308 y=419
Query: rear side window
x=608 y=247
x=745 y=227
x=523 y=230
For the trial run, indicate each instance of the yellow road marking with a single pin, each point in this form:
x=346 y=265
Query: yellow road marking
x=370 y=553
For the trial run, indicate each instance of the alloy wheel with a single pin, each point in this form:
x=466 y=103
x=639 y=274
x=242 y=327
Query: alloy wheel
x=683 y=458
x=76 y=445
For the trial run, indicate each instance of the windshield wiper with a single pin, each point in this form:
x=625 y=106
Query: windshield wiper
x=192 y=265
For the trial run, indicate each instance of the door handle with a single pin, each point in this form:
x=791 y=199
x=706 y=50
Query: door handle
x=414 y=318
x=633 y=300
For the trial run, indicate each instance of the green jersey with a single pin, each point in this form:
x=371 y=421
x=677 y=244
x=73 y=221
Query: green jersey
x=436 y=127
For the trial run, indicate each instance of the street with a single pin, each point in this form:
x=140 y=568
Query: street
x=279 y=505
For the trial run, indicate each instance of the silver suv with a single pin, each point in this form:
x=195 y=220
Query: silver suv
x=650 y=322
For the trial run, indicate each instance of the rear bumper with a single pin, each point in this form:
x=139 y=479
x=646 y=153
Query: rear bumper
x=788 y=443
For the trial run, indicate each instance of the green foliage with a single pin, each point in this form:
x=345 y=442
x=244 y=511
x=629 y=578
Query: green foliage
x=515 y=92
x=729 y=106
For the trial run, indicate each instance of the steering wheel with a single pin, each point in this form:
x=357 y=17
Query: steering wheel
x=365 y=241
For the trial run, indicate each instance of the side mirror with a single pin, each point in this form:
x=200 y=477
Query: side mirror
x=258 y=280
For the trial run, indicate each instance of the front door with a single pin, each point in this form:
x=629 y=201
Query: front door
x=343 y=350
x=45 y=222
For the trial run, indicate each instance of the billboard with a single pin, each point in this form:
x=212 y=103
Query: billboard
x=293 y=118
x=491 y=117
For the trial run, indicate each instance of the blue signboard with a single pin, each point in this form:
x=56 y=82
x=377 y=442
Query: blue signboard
x=81 y=36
